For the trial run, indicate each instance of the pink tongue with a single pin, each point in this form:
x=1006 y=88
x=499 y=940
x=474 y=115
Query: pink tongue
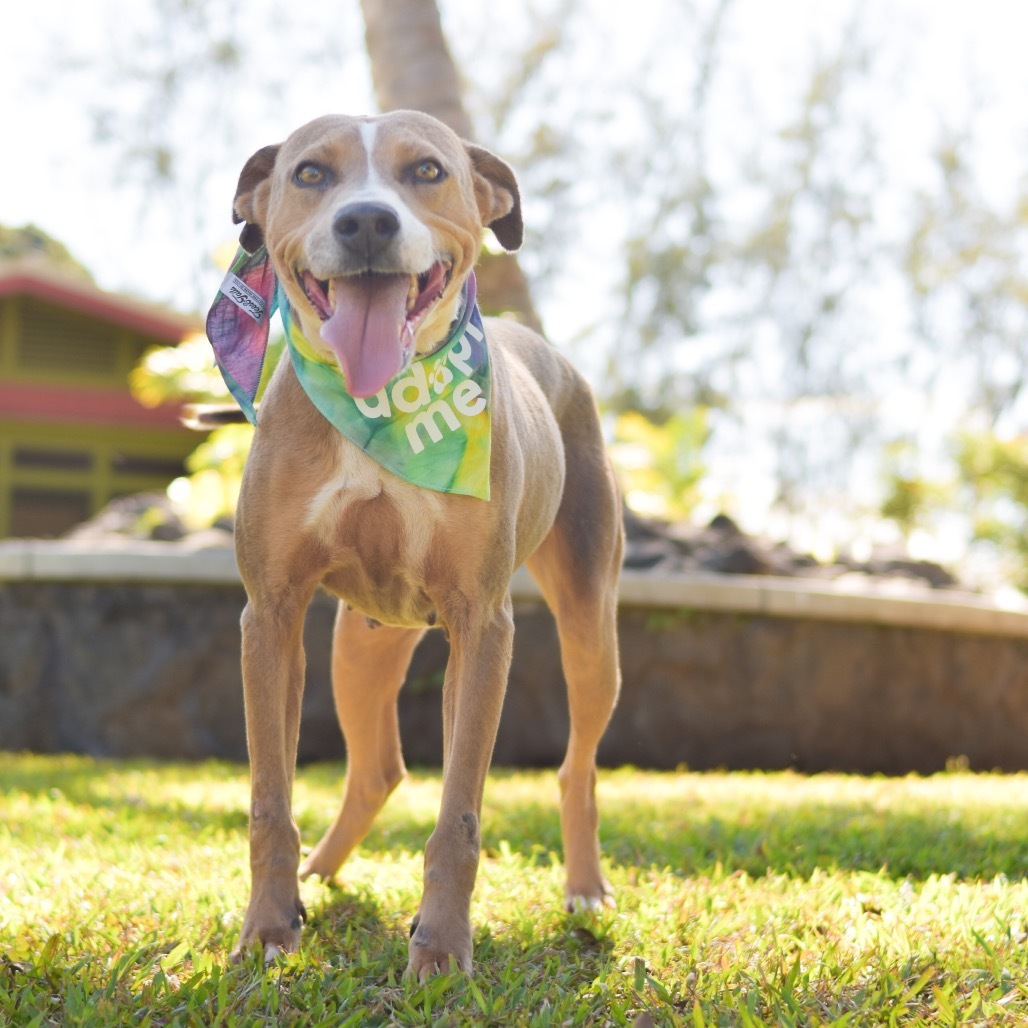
x=365 y=330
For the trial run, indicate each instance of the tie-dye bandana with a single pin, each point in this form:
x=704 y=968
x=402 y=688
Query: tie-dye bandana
x=238 y=324
x=430 y=425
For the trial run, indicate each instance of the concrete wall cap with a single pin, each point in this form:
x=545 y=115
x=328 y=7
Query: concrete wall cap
x=873 y=601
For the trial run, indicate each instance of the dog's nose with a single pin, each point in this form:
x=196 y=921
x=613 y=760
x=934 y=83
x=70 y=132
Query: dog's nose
x=366 y=228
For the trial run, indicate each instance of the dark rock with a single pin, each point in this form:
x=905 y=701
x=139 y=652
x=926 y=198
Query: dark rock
x=169 y=531
x=637 y=527
x=722 y=547
x=741 y=558
x=918 y=570
x=140 y=516
x=649 y=553
x=724 y=525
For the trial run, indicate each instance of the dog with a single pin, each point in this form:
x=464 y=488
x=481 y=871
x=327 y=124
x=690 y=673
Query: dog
x=365 y=231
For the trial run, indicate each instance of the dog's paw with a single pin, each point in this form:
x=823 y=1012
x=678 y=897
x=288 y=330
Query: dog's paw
x=275 y=932
x=590 y=901
x=437 y=952
x=313 y=868
x=272 y=953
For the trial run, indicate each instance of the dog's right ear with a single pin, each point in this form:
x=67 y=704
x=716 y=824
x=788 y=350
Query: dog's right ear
x=250 y=203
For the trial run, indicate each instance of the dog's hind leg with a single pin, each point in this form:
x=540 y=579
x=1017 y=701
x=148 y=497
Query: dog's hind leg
x=368 y=668
x=577 y=569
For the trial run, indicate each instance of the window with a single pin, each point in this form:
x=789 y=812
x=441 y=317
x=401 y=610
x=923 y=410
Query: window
x=51 y=460
x=52 y=339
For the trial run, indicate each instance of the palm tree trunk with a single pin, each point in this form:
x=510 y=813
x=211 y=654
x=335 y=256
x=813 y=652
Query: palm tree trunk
x=412 y=69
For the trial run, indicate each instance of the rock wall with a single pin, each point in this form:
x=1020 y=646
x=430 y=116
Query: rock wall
x=126 y=669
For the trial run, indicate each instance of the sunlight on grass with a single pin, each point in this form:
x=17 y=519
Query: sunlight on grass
x=743 y=899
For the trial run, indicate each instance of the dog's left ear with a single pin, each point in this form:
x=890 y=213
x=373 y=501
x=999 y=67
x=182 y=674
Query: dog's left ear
x=499 y=201
x=251 y=196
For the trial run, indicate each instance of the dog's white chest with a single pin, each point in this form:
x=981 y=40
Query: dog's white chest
x=355 y=477
x=358 y=478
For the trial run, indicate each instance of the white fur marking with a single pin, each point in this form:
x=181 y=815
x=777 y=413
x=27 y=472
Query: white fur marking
x=369 y=129
x=416 y=251
x=356 y=477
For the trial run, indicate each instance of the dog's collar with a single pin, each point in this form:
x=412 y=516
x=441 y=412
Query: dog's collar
x=431 y=425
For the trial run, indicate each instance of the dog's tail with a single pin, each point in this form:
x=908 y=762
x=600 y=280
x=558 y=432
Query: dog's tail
x=205 y=416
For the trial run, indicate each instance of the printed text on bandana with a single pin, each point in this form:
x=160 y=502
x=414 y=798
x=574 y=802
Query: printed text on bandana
x=246 y=299
x=414 y=393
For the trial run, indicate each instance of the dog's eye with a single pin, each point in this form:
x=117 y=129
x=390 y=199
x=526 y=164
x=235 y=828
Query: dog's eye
x=429 y=171
x=309 y=175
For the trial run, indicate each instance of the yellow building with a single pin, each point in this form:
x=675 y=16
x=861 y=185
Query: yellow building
x=72 y=437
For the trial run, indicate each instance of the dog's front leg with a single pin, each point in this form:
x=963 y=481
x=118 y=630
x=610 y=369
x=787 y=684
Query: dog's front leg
x=273 y=677
x=476 y=678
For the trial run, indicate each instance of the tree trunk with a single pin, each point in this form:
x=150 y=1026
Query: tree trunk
x=412 y=69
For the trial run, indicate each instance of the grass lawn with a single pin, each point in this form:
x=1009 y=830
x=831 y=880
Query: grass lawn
x=744 y=899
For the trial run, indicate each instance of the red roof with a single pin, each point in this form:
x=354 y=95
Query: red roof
x=30 y=402
x=36 y=278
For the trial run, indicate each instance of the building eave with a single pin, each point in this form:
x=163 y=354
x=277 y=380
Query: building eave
x=34 y=278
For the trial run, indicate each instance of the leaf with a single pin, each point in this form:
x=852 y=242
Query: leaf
x=175 y=957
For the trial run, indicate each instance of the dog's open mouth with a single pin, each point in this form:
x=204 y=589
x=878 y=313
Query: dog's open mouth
x=369 y=320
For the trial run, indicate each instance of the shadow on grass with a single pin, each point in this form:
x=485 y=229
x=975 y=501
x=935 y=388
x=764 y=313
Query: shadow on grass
x=829 y=836
x=570 y=945
x=106 y=785
x=795 y=839
x=343 y=916
x=351 y=931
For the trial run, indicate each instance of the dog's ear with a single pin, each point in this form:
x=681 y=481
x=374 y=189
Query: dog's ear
x=499 y=201
x=251 y=195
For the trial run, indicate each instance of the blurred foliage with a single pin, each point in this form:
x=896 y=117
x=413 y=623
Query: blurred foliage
x=910 y=498
x=988 y=484
x=188 y=372
x=24 y=241
x=993 y=473
x=965 y=262
x=211 y=489
x=659 y=464
x=183 y=372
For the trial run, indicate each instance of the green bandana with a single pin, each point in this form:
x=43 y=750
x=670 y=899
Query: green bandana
x=430 y=425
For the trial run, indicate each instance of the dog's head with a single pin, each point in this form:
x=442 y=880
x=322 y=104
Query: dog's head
x=372 y=225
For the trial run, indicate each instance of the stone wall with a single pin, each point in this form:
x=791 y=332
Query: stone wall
x=151 y=668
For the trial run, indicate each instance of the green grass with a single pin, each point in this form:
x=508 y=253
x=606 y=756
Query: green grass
x=744 y=899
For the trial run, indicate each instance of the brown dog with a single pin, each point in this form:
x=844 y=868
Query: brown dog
x=372 y=226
